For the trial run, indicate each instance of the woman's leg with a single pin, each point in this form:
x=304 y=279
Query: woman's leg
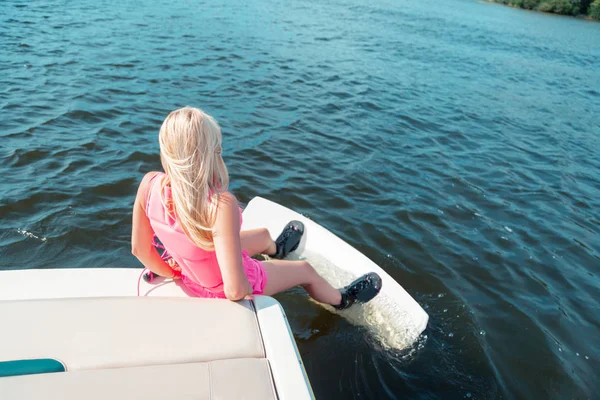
x=283 y=275
x=257 y=241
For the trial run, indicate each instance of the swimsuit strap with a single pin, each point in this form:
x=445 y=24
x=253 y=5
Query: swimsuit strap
x=149 y=189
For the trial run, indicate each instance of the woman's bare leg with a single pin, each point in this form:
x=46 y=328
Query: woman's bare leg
x=283 y=275
x=257 y=241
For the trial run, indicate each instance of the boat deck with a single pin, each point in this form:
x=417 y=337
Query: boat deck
x=165 y=345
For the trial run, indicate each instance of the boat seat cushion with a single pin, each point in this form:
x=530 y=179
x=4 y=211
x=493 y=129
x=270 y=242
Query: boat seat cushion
x=29 y=367
x=101 y=333
x=225 y=379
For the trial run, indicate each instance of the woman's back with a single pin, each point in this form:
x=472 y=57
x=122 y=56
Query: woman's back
x=197 y=264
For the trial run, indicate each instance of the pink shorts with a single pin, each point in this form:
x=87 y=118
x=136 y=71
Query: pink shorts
x=255 y=271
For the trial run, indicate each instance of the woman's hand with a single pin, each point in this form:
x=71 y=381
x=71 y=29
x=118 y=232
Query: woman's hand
x=249 y=296
x=175 y=267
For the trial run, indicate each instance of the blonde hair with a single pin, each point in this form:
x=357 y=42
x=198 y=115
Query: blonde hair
x=190 y=152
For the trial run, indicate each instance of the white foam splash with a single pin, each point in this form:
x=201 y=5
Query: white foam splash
x=391 y=325
x=31 y=235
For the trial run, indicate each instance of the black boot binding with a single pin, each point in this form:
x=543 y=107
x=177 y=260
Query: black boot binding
x=361 y=290
x=288 y=240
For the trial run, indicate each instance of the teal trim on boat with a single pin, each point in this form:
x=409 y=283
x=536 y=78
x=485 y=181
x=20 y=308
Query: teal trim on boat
x=30 y=367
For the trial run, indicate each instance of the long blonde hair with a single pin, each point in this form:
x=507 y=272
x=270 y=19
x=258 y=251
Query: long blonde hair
x=190 y=152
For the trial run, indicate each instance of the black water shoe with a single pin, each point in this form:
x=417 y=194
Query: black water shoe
x=361 y=290
x=288 y=240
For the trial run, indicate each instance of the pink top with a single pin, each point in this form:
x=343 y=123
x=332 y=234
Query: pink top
x=199 y=268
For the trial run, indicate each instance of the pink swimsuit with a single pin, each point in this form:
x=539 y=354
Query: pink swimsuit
x=200 y=271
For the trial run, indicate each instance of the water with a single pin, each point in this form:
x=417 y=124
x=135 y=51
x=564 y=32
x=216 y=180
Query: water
x=454 y=143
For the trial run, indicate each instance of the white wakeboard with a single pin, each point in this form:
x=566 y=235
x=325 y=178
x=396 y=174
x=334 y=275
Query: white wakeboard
x=393 y=316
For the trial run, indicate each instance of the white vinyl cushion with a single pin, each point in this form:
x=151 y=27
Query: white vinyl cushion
x=115 y=332
x=236 y=379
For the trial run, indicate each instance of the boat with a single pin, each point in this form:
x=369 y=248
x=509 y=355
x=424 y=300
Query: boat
x=104 y=332
x=83 y=334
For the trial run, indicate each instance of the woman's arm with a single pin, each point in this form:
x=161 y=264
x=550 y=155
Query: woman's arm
x=226 y=237
x=142 y=234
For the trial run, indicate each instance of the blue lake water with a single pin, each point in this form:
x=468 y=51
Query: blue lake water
x=456 y=144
